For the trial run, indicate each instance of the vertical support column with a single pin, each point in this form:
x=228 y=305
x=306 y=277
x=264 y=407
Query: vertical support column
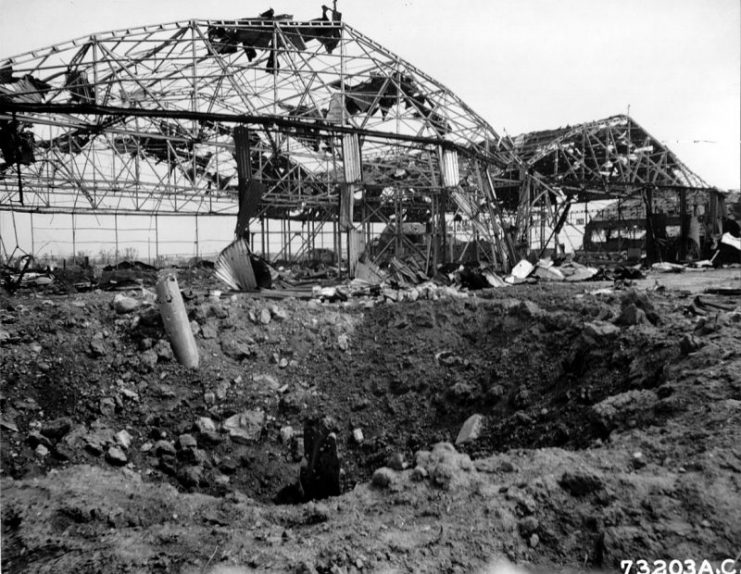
x=198 y=247
x=74 y=239
x=683 y=224
x=156 y=239
x=33 y=242
x=115 y=229
x=262 y=233
x=651 y=255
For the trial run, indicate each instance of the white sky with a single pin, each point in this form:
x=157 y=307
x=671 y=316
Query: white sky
x=521 y=64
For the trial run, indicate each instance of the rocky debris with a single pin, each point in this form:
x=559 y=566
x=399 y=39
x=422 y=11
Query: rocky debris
x=123 y=304
x=57 y=428
x=319 y=475
x=527 y=526
x=631 y=315
x=624 y=409
x=396 y=461
x=97 y=347
x=205 y=425
x=149 y=358
x=41 y=450
x=343 y=342
x=596 y=332
x=446 y=467
x=278 y=313
x=107 y=406
x=383 y=477
x=357 y=436
x=245 y=427
x=116 y=456
x=419 y=473
x=689 y=344
x=98 y=440
x=164 y=350
x=164 y=448
x=528 y=309
x=186 y=441
x=580 y=482
x=209 y=331
x=191 y=476
x=636 y=307
x=637 y=460
x=235 y=349
x=266 y=382
x=286 y=434
x=471 y=429
x=124 y=439
x=265 y=316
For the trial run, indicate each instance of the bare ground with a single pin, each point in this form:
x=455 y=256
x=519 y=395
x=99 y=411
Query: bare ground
x=602 y=439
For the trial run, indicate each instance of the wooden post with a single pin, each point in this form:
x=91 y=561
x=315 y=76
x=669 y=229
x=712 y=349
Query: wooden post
x=175 y=320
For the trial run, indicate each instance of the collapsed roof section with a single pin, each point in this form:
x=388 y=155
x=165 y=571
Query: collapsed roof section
x=605 y=156
x=140 y=120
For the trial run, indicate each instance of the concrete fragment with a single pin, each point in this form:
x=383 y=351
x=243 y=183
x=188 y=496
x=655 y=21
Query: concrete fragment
x=124 y=439
x=205 y=424
x=116 y=456
x=245 y=427
x=186 y=441
x=123 y=304
x=357 y=436
x=471 y=429
x=265 y=316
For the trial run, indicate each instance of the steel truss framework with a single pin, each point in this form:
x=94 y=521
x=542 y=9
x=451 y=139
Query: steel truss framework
x=141 y=121
x=614 y=158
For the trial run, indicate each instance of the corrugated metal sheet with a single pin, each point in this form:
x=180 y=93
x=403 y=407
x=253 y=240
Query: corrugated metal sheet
x=449 y=168
x=234 y=267
x=242 y=155
x=351 y=158
x=347 y=203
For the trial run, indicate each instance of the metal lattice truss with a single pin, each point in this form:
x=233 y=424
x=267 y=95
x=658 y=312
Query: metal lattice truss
x=613 y=158
x=141 y=120
x=605 y=156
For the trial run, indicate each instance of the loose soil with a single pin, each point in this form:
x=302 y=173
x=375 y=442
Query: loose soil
x=601 y=440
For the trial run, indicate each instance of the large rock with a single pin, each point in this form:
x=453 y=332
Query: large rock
x=245 y=427
x=625 y=409
x=471 y=429
x=116 y=456
x=236 y=350
x=57 y=428
x=123 y=304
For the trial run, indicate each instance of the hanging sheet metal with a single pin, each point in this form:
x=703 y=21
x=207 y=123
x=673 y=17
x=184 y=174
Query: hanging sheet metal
x=351 y=158
x=449 y=168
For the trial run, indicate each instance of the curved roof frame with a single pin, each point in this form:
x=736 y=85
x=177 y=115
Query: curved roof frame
x=140 y=119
